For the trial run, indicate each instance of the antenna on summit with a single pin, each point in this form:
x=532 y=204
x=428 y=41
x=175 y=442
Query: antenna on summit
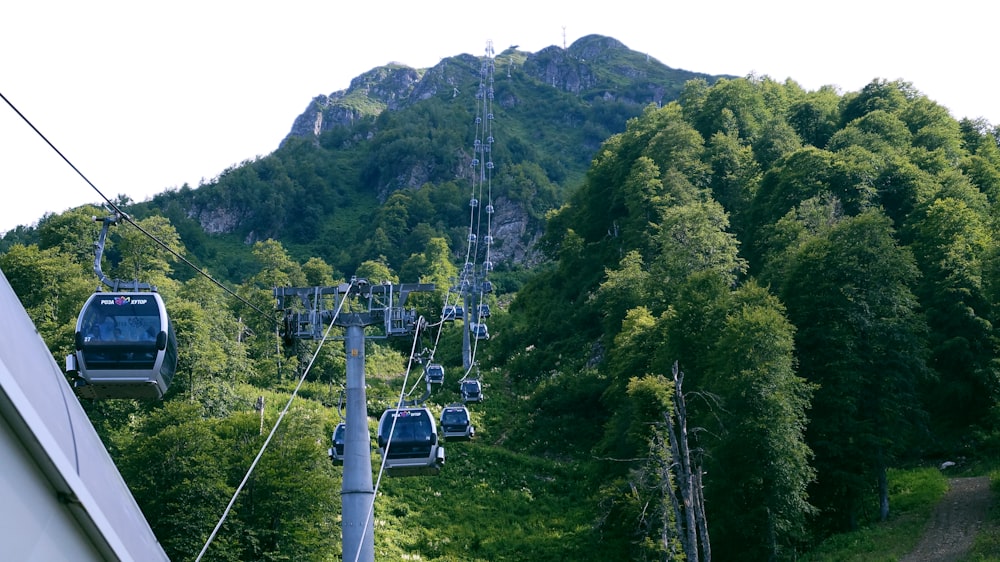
x=564 y=37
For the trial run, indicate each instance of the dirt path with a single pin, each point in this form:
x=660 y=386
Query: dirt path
x=955 y=522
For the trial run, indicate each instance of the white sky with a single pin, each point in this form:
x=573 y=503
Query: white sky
x=143 y=97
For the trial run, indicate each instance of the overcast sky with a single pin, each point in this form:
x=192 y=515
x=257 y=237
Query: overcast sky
x=143 y=97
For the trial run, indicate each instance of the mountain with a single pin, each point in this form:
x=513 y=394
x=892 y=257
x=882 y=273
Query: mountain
x=749 y=312
x=594 y=67
x=400 y=130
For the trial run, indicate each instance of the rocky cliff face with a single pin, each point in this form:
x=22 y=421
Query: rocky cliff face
x=593 y=66
x=384 y=88
x=371 y=93
x=598 y=66
x=514 y=235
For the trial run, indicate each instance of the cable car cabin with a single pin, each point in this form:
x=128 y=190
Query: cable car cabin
x=435 y=373
x=413 y=448
x=479 y=330
x=455 y=424
x=484 y=310
x=125 y=347
x=451 y=312
x=471 y=390
x=337 y=451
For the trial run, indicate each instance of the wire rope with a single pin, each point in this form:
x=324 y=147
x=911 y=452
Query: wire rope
x=481 y=172
x=128 y=219
x=474 y=270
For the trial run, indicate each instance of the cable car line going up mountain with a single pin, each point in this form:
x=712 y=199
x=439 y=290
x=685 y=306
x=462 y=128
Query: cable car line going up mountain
x=472 y=284
x=117 y=343
x=474 y=276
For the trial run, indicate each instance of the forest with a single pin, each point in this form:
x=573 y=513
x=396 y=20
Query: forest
x=805 y=282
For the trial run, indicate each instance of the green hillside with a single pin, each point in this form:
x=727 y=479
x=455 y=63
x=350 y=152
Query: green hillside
x=810 y=277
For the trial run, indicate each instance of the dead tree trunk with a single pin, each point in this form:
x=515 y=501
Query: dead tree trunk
x=883 y=487
x=700 y=517
x=671 y=526
x=692 y=520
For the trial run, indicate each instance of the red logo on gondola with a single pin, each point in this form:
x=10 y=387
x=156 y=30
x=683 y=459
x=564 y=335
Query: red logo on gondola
x=122 y=300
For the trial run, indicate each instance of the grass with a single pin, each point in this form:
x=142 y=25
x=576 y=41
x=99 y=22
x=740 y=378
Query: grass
x=487 y=504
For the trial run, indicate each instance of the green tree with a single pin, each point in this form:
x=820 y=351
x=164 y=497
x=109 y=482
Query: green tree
x=52 y=289
x=623 y=289
x=176 y=467
x=777 y=138
x=433 y=265
x=73 y=232
x=862 y=341
x=214 y=359
x=318 y=273
x=646 y=201
x=694 y=238
x=277 y=268
x=627 y=432
x=141 y=250
x=757 y=454
x=741 y=106
x=288 y=509
x=951 y=245
x=376 y=271
x=735 y=177
x=815 y=116
x=255 y=309
x=879 y=94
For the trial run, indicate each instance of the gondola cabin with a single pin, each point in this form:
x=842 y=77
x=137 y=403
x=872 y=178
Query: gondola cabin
x=479 y=330
x=471 y=390
x=125 y=347
x=452 y=312
x=456 y=424
x=448 y=313
x=409 y=447
x=435 y=373
x=337 y=451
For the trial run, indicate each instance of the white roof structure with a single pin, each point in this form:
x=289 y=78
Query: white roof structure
x=61 y=496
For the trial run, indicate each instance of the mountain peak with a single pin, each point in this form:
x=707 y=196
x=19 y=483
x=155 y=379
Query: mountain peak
x=593 y=66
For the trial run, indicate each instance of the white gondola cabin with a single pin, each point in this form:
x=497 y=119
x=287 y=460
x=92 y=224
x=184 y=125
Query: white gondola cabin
x=435 y=373
x=125 y=347
x=456 y=424
x=409 y=446
x=471 y=390
x=479 y=330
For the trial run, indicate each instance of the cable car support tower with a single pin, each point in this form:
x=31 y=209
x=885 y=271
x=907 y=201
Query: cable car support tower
x=307 y=313
x=472 y=284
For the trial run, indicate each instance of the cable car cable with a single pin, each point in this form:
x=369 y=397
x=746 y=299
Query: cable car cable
x=483 y=147
x=125 y=216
